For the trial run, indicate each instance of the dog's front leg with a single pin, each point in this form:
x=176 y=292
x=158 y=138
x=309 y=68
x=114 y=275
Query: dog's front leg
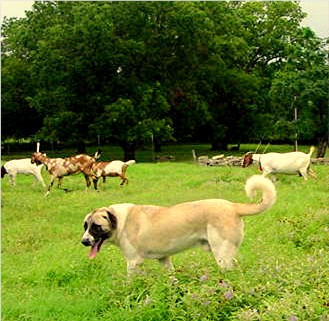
x=166 y=262
x=132 y=264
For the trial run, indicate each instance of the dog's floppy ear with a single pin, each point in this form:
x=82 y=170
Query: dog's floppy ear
x=112 y=219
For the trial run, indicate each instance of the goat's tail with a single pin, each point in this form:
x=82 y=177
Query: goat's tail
x=312 y=149
x=130 y=162
x=253 y=184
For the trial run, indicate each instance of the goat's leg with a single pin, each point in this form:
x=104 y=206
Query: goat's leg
x=312 y=173
x=95 y=180
x=124 y=179
x=87 y=178
x=12 y=179
x=60 y=180
x=39 y=179
x=52 y=180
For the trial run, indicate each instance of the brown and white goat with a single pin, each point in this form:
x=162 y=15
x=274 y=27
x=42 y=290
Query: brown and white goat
x=108 y=169
x=285 y=163
x=60 y=167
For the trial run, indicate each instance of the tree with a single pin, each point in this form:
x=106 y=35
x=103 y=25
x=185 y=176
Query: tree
x=132 y=122
x=136 y=71
x=305 y=80
x=18 y=119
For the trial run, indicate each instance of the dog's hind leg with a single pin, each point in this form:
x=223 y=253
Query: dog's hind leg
x=223 y=249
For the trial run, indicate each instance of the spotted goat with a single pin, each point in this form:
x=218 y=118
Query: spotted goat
x=60 y=167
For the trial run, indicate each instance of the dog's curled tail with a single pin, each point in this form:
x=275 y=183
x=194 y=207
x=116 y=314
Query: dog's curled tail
x=258 y=183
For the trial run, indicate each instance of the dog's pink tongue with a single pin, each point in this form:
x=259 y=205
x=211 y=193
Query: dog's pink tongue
x=94 y=250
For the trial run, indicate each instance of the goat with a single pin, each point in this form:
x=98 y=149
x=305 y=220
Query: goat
x=286 y=163
x=60 y=167
x=111 y=169
x=22 y=166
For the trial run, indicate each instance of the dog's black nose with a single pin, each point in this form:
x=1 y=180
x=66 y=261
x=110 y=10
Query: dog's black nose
x=85 y=242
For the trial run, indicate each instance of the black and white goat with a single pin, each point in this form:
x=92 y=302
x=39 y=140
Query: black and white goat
x=22 y=166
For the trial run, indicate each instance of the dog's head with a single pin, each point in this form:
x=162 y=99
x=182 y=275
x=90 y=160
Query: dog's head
x=99 y=226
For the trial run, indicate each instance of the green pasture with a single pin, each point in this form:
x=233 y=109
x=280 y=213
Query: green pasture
x=282 y=269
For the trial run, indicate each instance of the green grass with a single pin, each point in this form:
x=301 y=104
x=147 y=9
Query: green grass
x=281 y=274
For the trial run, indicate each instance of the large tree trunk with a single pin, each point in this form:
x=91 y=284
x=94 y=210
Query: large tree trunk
x=219 y=145
x=81 y=148
x=129 y=151
x=322 y=147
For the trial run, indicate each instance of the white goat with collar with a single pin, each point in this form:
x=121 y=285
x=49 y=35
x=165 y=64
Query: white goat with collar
x=285 y=163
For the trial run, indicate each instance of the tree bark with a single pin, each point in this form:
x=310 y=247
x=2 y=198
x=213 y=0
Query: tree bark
x=322 y=147
x=129 y=152
x=219 y=145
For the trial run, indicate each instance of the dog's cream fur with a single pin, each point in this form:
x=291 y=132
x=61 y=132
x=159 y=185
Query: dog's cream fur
x=156 y=232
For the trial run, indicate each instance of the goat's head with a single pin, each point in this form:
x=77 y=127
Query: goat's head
x=3 y=171
x=37 y=158
x=247 y=159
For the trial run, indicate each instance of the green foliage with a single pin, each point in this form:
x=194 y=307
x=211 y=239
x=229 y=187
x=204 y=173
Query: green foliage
x=206 y=71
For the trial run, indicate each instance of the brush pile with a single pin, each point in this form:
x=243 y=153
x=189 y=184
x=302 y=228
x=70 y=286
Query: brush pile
x=220 y=160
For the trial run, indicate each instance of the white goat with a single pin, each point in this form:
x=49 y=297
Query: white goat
x=286 y=163
x=22 y=166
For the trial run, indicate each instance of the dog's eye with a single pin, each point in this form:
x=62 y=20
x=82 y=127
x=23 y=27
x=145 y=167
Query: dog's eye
x=85 y=226
x=96 y=227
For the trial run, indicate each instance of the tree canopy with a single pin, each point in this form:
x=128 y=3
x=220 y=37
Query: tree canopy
x=217 y=72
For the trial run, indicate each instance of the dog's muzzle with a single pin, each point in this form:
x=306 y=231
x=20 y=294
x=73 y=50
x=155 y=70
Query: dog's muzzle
x=87 y=239
x=86 y=242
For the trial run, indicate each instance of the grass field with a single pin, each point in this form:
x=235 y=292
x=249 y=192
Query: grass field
x=282 y=271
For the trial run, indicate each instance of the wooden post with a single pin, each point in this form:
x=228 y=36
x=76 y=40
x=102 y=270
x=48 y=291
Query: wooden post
x=296 y=133
x=194 y=154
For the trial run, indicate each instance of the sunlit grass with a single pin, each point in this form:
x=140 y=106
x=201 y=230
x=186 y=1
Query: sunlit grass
x=281 y=273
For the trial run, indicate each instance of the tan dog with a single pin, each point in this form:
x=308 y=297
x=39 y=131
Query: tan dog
x=156 y=232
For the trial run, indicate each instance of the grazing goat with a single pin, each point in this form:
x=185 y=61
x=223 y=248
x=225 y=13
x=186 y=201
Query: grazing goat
x=105 y=169
x=21 y=166
x=286 y=163
x=60 y=167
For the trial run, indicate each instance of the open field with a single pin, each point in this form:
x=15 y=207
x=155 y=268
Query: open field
x=282 y=270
